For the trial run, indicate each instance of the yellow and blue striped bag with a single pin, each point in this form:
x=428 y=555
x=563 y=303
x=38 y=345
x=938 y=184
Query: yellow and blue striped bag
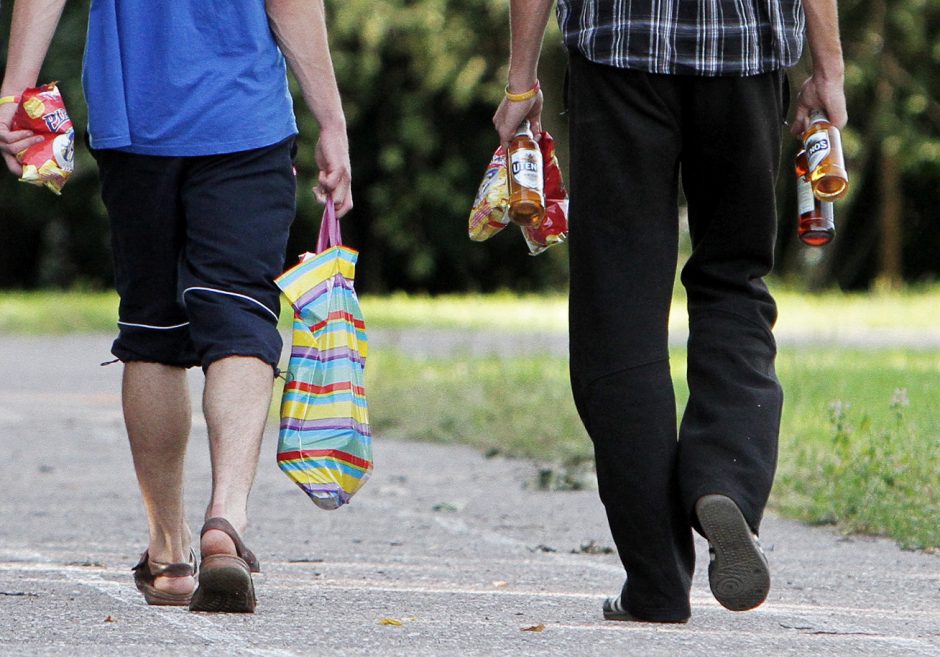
x=324 y=443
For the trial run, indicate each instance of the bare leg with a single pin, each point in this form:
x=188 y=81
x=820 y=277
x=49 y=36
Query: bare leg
x=236 y=402
x=158 y=418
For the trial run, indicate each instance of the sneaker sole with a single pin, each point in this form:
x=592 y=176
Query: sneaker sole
x=738 y=575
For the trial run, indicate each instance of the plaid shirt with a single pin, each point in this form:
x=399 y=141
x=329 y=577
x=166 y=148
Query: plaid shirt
x=695 y=37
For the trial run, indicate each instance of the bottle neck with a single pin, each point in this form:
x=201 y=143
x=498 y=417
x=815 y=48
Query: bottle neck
x=524 y=130
x=818 y=116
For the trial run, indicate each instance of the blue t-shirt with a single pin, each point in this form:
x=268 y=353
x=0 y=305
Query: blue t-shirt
x=184 y=77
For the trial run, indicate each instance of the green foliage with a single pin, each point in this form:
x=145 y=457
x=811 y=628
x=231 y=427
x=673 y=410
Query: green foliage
x=51 y=241
x=420 y=81
x=892 y=57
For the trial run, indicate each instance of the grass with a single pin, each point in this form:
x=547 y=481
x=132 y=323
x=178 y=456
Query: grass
x=913 y=309
x=860 y=443
x=57 y=313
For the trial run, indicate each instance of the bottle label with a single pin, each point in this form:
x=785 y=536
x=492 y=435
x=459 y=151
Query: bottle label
x=817 y=148
x=828 y=213
x=806 y=202
x=526 y=168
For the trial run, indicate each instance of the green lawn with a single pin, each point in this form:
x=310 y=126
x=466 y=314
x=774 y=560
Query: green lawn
x=57 y=313
x=914 y=309
x=860 y=438
x=860 y=442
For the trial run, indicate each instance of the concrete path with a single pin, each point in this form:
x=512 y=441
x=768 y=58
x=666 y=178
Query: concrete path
x=443 y=553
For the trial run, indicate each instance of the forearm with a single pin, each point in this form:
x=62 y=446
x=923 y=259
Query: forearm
x=822 y=36
x=34 y=22
x=824 y=89
x=299 y=26
x=528 y=19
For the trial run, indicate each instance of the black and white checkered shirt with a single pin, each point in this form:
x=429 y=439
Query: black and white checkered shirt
x=695 y=37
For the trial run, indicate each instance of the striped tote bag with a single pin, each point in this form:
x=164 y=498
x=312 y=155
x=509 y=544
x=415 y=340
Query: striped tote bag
x=324 y=442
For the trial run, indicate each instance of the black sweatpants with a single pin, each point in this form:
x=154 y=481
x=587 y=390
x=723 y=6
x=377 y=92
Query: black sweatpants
x=633 y=135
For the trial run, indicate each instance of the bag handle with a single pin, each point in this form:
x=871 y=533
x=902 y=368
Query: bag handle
x=329 y=228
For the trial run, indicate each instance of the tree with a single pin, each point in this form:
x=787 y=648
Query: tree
x=420 y=81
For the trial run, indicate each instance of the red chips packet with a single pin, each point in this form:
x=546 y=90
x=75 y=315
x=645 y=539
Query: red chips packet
x=554 y=227
x=51 y=161
x=489 y=214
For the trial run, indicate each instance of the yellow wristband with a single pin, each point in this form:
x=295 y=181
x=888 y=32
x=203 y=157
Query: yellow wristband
x=525 y=95
x=9 y=99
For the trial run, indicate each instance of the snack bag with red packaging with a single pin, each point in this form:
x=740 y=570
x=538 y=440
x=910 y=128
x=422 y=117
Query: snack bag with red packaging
x=51 y=161
x=554 y=227
x=490 y=215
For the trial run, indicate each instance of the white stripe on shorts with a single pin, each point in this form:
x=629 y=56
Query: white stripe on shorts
x=150 y=326
x=231 y=294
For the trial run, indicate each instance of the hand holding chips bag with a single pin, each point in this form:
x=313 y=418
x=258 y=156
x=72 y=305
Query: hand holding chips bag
x=51 y=161
x=489 y=214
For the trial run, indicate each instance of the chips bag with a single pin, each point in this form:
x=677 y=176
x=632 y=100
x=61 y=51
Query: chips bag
x=490 y=208
x=554 y=227
x=490 y=212
x=51 y=161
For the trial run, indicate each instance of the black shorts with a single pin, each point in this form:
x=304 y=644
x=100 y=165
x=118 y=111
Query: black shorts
x=197 y=243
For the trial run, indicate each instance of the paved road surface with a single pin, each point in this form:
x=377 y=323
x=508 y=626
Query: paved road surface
x=443 y=541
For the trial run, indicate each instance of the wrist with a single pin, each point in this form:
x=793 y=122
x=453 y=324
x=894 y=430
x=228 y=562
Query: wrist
x=332 y=127
x=331 y=120
x=16 y=83
x=8 y=90
x=521 y=79
x=829 y=69
x=518 y=96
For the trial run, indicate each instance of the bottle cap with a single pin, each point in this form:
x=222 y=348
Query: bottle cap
x=524 y=128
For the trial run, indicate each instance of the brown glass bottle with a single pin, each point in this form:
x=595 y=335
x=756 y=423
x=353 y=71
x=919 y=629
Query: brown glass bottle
x=816 y=226
x=526 y=199
x=823 y=145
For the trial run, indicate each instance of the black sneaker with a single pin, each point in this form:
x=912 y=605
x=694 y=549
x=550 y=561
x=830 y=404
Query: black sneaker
x=615 y=611
x=738 y=572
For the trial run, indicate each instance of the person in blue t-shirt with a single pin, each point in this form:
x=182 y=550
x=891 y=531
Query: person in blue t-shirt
x=191 y=123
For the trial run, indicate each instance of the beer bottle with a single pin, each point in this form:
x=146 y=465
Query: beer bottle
x=823 y=146
x=816 y=225
x=526 y=199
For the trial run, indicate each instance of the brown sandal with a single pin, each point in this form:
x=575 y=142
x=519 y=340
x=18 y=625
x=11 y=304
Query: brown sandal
x=225 y=579
x=145 y=572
